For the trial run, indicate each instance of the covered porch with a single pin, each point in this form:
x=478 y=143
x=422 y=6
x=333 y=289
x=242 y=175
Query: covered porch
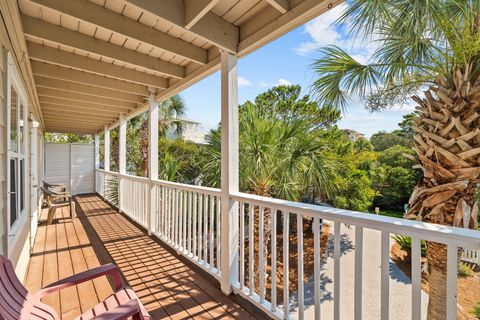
x=168 y=286
x=190 y=251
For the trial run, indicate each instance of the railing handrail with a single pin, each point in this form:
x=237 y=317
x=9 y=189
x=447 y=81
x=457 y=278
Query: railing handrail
x=113 y=173
x=460 y=237
x=188 y=187
x=183 y=186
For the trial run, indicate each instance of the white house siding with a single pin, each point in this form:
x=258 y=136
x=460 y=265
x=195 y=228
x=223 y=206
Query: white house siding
x=3 y=149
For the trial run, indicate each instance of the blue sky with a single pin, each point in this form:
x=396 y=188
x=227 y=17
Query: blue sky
x=287 y=61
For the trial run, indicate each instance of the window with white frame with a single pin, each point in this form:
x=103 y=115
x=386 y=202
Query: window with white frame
x=18 y=124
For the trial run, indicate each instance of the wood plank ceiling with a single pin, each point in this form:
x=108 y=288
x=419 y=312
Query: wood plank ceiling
x=93 y=60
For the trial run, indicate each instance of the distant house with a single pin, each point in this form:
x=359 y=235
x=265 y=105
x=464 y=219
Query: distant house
x=353 y=135
x=191 y=131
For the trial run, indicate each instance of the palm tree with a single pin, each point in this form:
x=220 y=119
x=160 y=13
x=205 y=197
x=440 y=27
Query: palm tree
x=281 y=154
x=432 y=45
x=170 y=113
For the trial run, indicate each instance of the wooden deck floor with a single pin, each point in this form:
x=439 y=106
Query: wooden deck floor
x=169 y=287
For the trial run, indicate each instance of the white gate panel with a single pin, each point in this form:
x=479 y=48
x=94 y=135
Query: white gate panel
x=72 y=165
x=57 y=164
x=83 y=168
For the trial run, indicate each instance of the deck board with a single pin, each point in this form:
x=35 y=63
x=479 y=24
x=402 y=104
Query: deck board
x=168 y=287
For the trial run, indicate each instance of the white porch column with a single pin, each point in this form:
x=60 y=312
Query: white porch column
x=97 y=161
x=152 y=158
x=107 y=149
x=122 y=158
x=97 y=152
x=229 y=159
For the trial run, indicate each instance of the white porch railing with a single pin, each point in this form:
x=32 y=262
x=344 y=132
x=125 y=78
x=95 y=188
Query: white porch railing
x=187 y=218
x=472 y=256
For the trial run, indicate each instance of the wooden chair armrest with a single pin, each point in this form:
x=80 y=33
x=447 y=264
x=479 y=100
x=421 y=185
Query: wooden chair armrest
x=122 y=312
x=108 y=269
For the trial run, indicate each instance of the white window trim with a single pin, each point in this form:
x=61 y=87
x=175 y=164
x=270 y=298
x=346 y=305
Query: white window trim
x=14 y=80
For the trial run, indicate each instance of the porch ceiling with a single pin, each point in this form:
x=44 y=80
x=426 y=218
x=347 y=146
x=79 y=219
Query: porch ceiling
x=93 y=60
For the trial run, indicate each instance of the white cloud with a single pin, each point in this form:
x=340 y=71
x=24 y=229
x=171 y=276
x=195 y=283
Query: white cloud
x=283 y=82
x=243 y=82
x=279 y=82
x=323 y=32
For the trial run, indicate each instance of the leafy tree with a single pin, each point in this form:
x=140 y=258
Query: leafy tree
x=67 y=138
x=433 y=44
x=183 y=156
x=281 y=154
x=383 y=140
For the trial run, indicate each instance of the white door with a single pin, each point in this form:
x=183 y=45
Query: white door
x=34 y=183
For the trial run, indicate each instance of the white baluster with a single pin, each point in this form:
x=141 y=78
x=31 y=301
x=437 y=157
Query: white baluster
x=194 y=226
x=205 y=229
x=336 y=270
x=251 y=258
x=242 y=246
x=317 y=264
x=452 y=270
x=385 y=275
x=261 y=253
x=300 y=266
x=286 y=242
x=200 y=226
x=358 y=272
x=273 y=218
x=212 y=230
x=416 y=279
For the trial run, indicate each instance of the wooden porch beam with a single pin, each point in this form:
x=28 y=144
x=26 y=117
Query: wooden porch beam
x=210 y=27
x=90 y=12
x=67 y=59
x=82 y=105
x=51 y=32
x=196 y=10
x=281 y=5
x=57 y=110
x=45 y=82
x=69 y=130
x=73 y=75
x=79 y=97
x=75 y=119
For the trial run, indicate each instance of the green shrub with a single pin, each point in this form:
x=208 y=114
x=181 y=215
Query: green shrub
x=476 y=310
x=464 y=270
x=406 y=243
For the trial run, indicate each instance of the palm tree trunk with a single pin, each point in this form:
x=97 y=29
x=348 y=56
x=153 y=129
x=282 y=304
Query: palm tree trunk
x=447 y=142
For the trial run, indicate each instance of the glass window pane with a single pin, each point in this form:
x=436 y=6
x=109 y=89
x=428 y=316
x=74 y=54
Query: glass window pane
x=22 y=122
x=13 y=191
x=13 y=120
x=22 y=184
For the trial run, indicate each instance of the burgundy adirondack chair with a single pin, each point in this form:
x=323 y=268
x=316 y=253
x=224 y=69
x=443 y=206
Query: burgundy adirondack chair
x=16 y=303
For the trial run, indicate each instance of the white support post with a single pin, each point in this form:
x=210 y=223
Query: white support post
x=122 y=158
x=107 y=149
x=97 y=160
x=152 y=158
x=229 y=163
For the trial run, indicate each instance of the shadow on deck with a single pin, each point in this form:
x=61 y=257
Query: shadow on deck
x=169 y=286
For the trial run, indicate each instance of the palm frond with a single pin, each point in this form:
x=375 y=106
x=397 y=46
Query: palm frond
x=340 y=76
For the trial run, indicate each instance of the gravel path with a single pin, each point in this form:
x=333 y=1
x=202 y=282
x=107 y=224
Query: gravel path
x=400 y=284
